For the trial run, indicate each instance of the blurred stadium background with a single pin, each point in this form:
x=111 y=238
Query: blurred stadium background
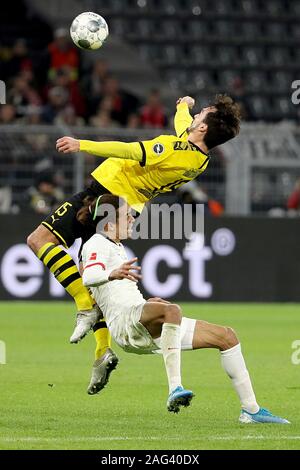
x=157 y=51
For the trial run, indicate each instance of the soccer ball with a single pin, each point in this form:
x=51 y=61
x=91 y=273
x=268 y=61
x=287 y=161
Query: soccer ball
x=89 y=31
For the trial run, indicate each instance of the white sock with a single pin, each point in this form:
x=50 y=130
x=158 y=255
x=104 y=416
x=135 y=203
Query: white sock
x=233 y=363
x=170 y=344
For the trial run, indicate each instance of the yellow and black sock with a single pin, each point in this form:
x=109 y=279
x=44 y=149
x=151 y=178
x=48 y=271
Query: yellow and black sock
x=102 y=337
x=66 y=272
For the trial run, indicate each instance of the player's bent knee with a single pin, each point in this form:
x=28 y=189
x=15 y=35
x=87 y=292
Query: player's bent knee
x=231 y=338
x=39 y=237
x=32 y=241
x=172 y=314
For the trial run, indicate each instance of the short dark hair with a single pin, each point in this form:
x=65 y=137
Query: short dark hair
x=85 y=215
x=101 y=208
x=224 y=123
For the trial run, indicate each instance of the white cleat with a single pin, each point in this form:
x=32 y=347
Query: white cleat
x=85 y=320
x=102 y=369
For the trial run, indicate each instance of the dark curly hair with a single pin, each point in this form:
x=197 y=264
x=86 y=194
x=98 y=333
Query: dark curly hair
x=223 y=124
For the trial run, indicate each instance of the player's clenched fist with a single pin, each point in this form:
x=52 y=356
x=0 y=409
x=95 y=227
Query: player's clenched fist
x=67 y=145
x=188 y=100
x=126 y=271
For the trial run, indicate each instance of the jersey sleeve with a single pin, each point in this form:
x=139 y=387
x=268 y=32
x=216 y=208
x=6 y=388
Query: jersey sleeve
x=129 y=151
x=157 y=150
x=182 y=119
x=95 y=255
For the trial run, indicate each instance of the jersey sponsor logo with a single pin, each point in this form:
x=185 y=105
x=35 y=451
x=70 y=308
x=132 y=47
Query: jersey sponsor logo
x=151 y=193
x=93 y=257
x=179 y=145
x=193 y=173
x=147 y=193
x=158 y=148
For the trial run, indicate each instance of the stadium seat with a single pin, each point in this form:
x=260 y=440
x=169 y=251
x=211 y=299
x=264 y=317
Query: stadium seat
x=226 y=55
x=202 y=80
x=144 y=28
x=118 y=5
x=284 y=108
x=274 y=8
x=260 y=107
x=248 y=7
x=294 y=29
x=294 y=7
x=171 y=8
x=275 y=30
x=249 y=29
x=223 y=28
x=170 y=29
x=119 y=27
x=171 y=54
x=278 y=56
x=226 y=78
x=222 y=7
x=255 y=81
x=197 y=29
x=253 y=55
x=199 y=55
x=178 y=79
x=281 y=80
x=146 y=51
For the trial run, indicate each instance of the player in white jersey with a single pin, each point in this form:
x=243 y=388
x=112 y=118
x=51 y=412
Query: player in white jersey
x=155 y=325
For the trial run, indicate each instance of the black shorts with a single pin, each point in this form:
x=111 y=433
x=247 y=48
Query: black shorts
x=63 y=222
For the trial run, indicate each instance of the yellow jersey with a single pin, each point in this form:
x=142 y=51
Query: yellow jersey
x=139 y=171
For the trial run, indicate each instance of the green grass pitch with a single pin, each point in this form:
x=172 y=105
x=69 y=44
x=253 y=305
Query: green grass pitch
x=44 y=404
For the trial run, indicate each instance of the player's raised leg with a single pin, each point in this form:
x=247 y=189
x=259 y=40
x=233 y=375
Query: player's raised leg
x=163 y=320
x=208 y=335
x=46 y=246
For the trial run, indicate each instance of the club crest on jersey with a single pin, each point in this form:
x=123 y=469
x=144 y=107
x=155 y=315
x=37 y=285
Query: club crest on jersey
x=93 y=257
x=158 y=148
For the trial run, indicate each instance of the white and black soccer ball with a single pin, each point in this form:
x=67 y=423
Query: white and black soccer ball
x=89 y=30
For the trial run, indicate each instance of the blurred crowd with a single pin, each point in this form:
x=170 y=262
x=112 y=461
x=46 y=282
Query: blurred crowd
x=54 y=89
x=63 y=93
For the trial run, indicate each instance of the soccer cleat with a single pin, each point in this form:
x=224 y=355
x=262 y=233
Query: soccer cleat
x=179 y=397
x=262 y=416
x=102 y=369
x=85 y=320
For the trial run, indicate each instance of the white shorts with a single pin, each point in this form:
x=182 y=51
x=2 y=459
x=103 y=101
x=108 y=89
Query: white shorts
x=133 y=337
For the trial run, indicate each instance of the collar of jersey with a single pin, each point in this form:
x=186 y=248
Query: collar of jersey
x=109 y=239
x=198 y=148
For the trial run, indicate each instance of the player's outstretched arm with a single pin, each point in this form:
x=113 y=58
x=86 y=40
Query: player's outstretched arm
x=130 y=151
x=183 y=119
x=95 y=273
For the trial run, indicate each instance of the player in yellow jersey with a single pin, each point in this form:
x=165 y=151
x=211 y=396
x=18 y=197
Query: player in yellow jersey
x=138 y=172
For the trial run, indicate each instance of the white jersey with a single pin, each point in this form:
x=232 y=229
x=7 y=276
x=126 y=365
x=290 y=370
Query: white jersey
x=100 y=256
